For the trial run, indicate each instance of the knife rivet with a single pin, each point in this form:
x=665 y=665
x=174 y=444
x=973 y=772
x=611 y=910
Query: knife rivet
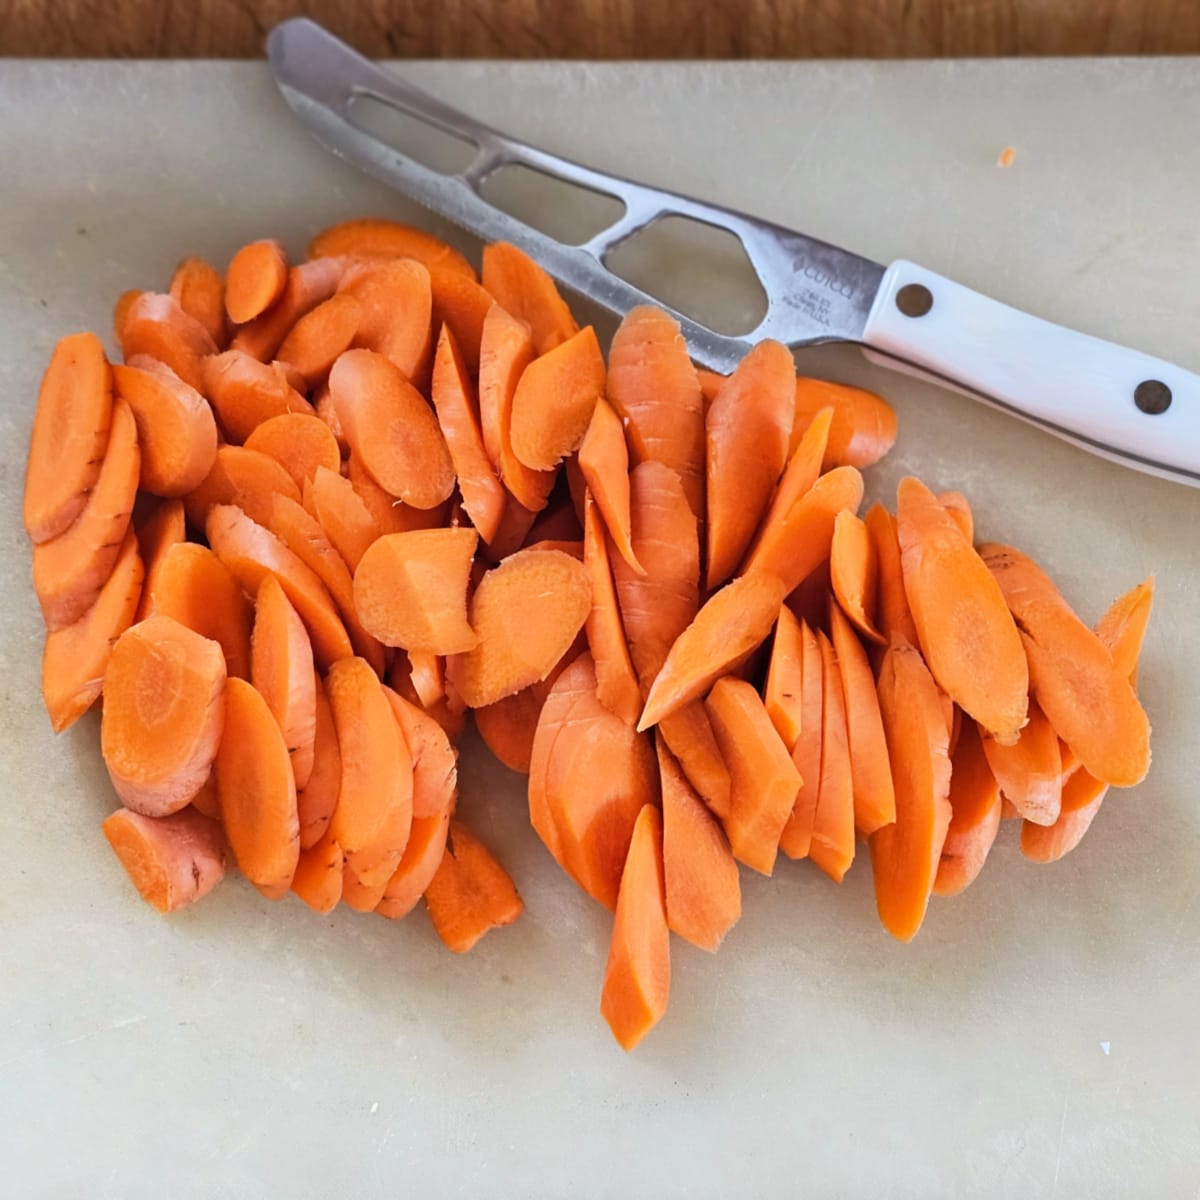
x=914 y=299
x=1152 y=396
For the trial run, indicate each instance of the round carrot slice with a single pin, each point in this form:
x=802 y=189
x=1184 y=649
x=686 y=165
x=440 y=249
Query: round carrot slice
x=255 y=280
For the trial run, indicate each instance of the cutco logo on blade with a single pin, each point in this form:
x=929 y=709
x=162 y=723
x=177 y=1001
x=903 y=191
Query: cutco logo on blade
x=823 y=278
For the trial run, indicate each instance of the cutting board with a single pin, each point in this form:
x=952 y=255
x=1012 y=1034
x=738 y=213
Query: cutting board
x=1038 y=1039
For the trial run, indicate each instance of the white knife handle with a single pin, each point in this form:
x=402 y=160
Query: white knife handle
x=1109 y=399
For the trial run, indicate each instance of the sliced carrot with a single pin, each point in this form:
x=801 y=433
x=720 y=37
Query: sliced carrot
x=346 y=520
x=245 y=392
x=967 y=635
x=281 y=668
x=792 y=544
x=832 y=846
x=652 y=385
x=959 y=507
x=121 y=313
x=1029 y=772
x=313 y=344
x=322 y=403
x=391 y=429
x=703 y=891
x=803 y=468
x=604 y=465
x=1123 y=627
x=377 y=237
x=363 y=895
x=505 y=353
x=458 y=415
x=523 y=289
x=783 y=693
x=526 y=612
x=434 y=762
x=176 y=430
x=763 y=781
x=410 y=590
x=688 y=734
x=75 y=657
x=796 y=839
x=1072 y=675
x=637 y=976
x=317 y=879
x=318 y=798
x=251 y=551
x=450 y=712
x=553 y=402
x=1082 y=797
x=854 y=573
x=255 y=279
x=589 y=777
x=197 y=287
x=616 y=682
x=389 y=514
x=247 y=478
x=163 y=714
x=975 y=815
x=515 y=523
x=659 y=601
x=422 y=856
x=905 y=855
x=870 y=768
x=173 y=861
x=747 y=428
x=864 y=425
x=298 y=442
x=470 y=893
x=307 y=285
x=194 y=587
x=157 y=327
x=258 y=792
x=428 y=674
x=395 y=304
x=69 y=570
x=460 y=306
x=893 y=616
x=156 y=534
x=733 y=623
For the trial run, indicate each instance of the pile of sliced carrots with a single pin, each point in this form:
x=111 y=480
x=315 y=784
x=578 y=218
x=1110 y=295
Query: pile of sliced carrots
x=323 y=510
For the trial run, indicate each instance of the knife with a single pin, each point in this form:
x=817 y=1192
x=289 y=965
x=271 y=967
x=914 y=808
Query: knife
x=1116 y=402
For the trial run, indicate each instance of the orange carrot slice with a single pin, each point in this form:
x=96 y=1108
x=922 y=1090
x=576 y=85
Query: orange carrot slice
x=255 y=280
x=796 y=839
x=870 y=768
x=470 y=893
x=966 y=632
x=1123 y=627
x=653 y=388
x=75 y=657
x=197 y=287
x=281 y=668
x=637 y=976
x=299 y=443
x=121 y=312
x=313 y=344
x=428 y=674
x=157 y=327
x=422 y=857
x=604 y=464
x=346 y=520
x=747 y=428
x=523 y=289
x=783 y=692
x=245 y=392
x=435 y=764
x=460 y=306
x=376 y=237
x=307 y=285
x=410 y=590
x=251 y=551
x=733 y=623
x=905 y=855
x=258 y=792
x=163 y=714
x=69 y=570
x=864 y=426
x=317 y=879
x=156 y=534
x=318 y=798
x=854 y=573
x=526 y=612
x=703 y=891
x=1082 y=797
x=504 y=354
x=194 y=587
x=1073 y=677
x=247 y=478
x=832 y=846
x=803 y=468
x=553 y=402
x=688 y=734
x=616 y=682
x=508 y=726
x=792 y=544
x=391 y=429
x=959 y=507
x=389 y=514
x=893 y=618
x=70 y=436
x=975 y=815
x=1029 y=772
x=173 y=861
x=763 y=781
x=394 y=304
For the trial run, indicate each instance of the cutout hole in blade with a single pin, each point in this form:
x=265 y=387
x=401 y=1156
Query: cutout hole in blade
x=427 y=144
x=564 y=211
x=698 y=269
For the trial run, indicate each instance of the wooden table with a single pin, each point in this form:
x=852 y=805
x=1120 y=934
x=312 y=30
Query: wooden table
x=645 y=29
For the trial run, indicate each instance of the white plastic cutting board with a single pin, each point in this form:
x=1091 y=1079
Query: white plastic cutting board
x=1039 y=1039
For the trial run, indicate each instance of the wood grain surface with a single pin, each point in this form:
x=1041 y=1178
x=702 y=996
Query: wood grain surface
x=645 y=29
